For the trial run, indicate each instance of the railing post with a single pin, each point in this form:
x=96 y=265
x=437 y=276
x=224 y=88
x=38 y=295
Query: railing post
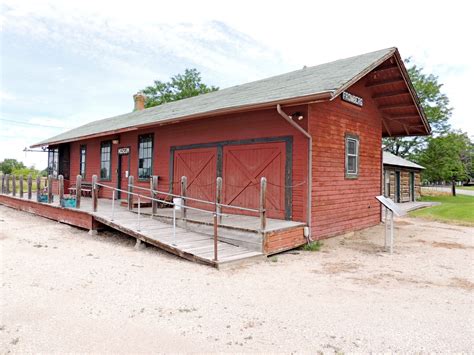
x=7 y=179
x=3 y=184
x=139 y=213
x=113 y=205
x=130 y=190
x=263 y=204
x=78 y=190
x=184 y=186
x=13 y=185
x=219 y=199
x=29 y=183
x=215 y=236
x=154 y=187
x=38 y=188
x=50 y=188
x=61 y=188
x=94 y=193
x=20 y=186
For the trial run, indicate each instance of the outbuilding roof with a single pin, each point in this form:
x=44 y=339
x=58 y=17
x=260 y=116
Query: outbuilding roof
x=395 y=160
x=325 y=81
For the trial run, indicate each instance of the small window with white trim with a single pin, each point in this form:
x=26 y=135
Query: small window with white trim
x=352 y=156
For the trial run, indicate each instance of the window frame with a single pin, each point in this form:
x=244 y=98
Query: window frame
x=83 y=147
x=140 y=139
x=355 y=138
x=53 y=159
x=102 y=145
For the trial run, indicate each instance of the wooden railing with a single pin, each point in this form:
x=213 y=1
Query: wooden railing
x=154 y=193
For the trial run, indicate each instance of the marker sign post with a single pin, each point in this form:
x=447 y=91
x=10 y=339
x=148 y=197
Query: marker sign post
x=391 y=208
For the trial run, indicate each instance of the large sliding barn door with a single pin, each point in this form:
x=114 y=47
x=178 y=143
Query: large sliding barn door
x=199 y=166
x=244 y=165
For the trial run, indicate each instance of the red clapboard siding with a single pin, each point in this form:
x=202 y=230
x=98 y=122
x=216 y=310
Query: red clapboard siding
x=235 y=127
x=339 y=204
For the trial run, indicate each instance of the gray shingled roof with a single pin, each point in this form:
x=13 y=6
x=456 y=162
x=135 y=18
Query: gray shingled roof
x=391 y=159
x=325 y=78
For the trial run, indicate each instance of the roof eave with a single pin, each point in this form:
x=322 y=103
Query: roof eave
x=393 y=52
x=321 y=96
x=363 y=73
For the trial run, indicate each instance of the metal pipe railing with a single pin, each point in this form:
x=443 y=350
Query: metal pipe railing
x=197 y=200
x=214 y=213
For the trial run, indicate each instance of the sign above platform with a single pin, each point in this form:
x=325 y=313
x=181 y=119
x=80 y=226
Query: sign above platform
x=123 y=151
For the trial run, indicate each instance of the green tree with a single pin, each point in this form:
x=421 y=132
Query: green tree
x=180 y=86
x=447 y=158
x=436 y=106
x=26 y=171
x=7 y=166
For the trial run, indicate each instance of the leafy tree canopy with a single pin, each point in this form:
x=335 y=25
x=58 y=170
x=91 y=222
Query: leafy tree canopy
x=7 y=166
x=437 y=109
x=447 y=157
x=180 y=86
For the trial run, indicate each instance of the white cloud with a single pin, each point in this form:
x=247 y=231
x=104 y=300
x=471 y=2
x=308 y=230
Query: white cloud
x=120 y=47
x=5 y=96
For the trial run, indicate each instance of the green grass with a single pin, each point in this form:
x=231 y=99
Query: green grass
x=458 y=210
x=465 y=187
x=313 y=246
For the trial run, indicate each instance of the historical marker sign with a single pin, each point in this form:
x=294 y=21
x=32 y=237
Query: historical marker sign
x=392 y=206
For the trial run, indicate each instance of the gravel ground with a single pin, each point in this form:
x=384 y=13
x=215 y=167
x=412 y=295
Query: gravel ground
x=65 y=291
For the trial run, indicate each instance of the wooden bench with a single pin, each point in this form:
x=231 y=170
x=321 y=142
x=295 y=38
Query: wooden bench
x=86 y=189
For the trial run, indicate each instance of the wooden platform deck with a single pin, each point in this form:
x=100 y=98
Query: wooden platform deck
x=187 y=244
x=239 y=236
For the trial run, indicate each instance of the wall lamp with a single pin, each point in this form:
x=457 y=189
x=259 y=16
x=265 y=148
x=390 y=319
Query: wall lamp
x=297 y=115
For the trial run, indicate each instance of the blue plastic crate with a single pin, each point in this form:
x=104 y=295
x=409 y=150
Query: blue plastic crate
x=68 y=202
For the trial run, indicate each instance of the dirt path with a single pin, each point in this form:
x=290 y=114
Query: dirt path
x=63 y=290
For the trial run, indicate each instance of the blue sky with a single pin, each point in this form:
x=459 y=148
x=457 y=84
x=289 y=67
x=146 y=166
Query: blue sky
x=66 y=63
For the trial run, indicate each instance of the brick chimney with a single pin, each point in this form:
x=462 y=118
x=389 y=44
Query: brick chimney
x=139 y=100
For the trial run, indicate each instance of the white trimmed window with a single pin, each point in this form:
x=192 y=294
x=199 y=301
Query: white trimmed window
x=352 y=156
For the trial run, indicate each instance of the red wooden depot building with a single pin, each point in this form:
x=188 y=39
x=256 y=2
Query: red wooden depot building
x=314 y=133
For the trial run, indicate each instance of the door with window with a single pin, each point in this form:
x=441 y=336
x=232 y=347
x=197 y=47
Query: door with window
x=123 y=170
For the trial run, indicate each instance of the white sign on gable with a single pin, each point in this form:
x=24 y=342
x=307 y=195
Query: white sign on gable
x=353 y=99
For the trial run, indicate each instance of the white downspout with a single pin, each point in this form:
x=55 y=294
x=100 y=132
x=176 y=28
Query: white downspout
x=310 y=163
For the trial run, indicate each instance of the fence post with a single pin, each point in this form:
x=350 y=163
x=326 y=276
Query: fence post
x=61 y=188
x=263 y=204
x=184 y=187
x=129 y=195
x=13 y=185
x=94 y=193
x=154 y=187
x=78 y=190
x=219 y=199
x=7 y=178
x=38 y=188
x=50 y=188
x=3 y=184
x=20 y=186
x=29 y=183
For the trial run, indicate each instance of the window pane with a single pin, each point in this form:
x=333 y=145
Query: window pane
x=105 y=160
x=145 y=152
x=351 y=164
x=351 y=146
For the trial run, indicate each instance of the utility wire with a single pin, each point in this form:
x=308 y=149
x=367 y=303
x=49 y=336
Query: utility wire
x=29 y=124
